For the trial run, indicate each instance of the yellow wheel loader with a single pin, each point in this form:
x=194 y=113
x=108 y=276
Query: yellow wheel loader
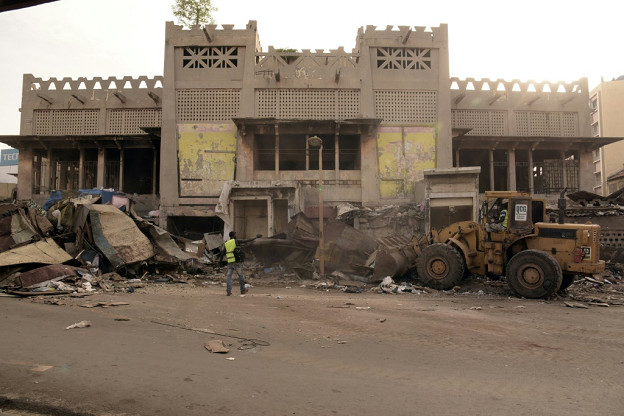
x=538 y=258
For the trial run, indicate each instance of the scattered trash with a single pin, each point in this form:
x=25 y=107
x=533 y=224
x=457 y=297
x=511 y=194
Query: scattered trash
x=103 y=304
x=81 y=324
x=230 y=358
x=575 y=305
x=362 y=308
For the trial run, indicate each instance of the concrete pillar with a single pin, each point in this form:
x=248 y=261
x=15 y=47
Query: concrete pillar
x=511 y=170
x=491 y=170
x=121 y=170
x=52 y=184
x=586 y=170
x=336 y=153
x=48 y=177
x=457 y=164
x=369 y=168
x=531 y=179
x=270 y=217
x=444 y=148
x=169 y=179
x=101 y=167
x=25 y=167
x=277 y=173
x=81 y=174
x=564 y=170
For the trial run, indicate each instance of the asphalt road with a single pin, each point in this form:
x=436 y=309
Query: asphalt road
x=302 y=351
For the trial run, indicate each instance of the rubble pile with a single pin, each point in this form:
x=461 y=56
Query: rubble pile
x=79 y=245
x=604 y=289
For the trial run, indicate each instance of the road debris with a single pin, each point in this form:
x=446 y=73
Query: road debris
x=575 y=305
x=216 y=346
x=81 y=324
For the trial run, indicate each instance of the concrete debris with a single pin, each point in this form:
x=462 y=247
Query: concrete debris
x=575 y=305
x=81 y=324
x=216 y=346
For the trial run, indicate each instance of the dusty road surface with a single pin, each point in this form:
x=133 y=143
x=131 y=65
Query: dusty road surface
x=300 y=351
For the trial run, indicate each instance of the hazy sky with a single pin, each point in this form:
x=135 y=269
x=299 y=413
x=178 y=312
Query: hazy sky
x=539 y=40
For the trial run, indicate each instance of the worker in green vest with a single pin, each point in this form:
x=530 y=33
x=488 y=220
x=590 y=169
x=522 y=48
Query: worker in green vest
x=232 y=263
x=497 y=222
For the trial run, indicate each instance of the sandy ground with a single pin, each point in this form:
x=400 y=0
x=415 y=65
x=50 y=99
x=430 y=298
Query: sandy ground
x=305 y=351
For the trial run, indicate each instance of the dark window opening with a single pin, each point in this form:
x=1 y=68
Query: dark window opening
x=138 y=170
x=111 y=173
x=292 y=152
x=90 y=168
x=264 y=152
x=349 y=152
x=65 y=169
x=522 y=170
x=329 y=152
x=296 y=154
x=194 y=228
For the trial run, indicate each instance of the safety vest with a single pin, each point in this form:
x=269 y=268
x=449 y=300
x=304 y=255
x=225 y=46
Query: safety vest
x=506 y=218
x=230 y=245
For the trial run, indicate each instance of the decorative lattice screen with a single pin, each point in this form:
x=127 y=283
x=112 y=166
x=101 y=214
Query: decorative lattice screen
x=129 y=121
x=403 y=58
x=315 y=104
x=207 y=105
x=198 y=57
x=486 y=123
x=65 y=122
x=545 y=123
x=406 y=106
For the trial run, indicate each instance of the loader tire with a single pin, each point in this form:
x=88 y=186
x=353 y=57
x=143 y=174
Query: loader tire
x=567 y=280
x=534 y=274
x=440 y=266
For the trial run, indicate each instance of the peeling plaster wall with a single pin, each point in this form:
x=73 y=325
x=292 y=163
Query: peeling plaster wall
x=206 y=154
x=403 y=153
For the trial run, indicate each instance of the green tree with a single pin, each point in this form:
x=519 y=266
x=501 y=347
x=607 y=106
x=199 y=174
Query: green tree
x=193 y=12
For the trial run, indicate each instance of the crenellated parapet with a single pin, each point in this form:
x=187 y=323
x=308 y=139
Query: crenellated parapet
x=335 y=58
x=199 y=29
x=97 y=92
x=516 y=85
x=405 y=34
x=97 y=83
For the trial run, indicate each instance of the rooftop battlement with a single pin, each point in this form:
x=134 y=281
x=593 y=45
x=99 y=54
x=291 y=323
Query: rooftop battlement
x=406 y=33
x=251 y=25
x=516 y=85
x=97 y=83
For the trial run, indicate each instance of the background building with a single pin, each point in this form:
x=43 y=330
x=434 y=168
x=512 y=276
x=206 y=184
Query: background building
x=229 y=137
x=606 y=103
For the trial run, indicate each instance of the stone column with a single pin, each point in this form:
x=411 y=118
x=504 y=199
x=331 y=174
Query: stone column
x=101 y=167
x=25 y=169
x=121 y=170
x=511 y=170
x=81 y=174
x=531 y=181
x=564 y=170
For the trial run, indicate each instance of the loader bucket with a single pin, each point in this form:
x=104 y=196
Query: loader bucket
x=394 y=256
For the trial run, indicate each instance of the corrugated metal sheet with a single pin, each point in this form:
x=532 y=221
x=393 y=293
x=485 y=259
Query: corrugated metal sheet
x=403 y=153
x=206 y=154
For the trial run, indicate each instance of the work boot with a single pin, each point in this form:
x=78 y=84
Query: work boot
x=244 y=291
x=228 y=294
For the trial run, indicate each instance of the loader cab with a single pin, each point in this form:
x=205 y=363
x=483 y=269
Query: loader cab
x=521 y=210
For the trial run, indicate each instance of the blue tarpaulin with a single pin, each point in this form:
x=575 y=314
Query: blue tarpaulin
x=107 y=196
